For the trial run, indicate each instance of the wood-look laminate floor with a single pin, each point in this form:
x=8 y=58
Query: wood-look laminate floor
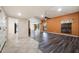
x=55 y=43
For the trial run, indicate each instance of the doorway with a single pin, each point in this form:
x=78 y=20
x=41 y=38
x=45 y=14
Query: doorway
x=34 y=27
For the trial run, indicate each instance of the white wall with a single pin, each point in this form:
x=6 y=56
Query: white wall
x=23 y=28
x=3 y=26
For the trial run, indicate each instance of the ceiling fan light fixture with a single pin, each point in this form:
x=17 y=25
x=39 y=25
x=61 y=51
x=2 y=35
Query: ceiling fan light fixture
x=59 y=9
x=19 y=14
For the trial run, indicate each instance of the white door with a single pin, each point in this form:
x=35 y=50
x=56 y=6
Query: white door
x=11 y=28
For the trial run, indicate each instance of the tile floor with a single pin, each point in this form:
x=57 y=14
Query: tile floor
x=27 y=45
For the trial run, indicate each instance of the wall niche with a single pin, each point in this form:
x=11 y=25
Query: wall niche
x=66 y=26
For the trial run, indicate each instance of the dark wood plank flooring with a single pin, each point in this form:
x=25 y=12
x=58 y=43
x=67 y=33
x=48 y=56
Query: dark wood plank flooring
x=55 y=43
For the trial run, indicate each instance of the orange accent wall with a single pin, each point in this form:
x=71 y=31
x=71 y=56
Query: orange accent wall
x=54 y=25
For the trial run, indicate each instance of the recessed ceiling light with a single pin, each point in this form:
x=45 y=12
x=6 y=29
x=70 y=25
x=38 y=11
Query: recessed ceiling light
x=19 y=14
x=42 y=16
x=59 y=9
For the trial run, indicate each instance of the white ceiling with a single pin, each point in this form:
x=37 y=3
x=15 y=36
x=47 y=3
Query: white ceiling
x=31 y=11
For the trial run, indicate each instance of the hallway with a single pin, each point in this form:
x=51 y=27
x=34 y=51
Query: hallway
x=21 y=46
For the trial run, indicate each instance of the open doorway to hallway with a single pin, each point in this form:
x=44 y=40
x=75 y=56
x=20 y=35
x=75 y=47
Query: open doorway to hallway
x=34 y=27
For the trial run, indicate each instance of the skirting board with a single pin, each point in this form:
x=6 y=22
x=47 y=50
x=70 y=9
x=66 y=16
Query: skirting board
x=2 y=46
